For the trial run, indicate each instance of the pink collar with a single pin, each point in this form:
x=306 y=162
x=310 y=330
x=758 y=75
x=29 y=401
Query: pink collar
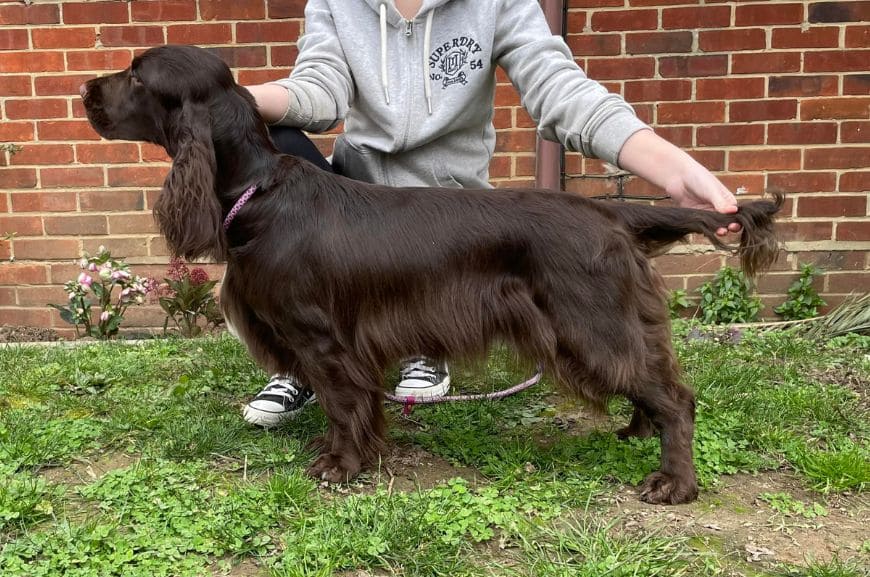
x=238 y=206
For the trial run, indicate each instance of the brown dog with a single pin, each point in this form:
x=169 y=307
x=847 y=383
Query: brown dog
x=331 y=279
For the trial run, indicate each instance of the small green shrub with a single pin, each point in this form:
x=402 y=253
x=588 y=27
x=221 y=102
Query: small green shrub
x=803 y=301
x=728 y=299
x=678 y=300
x=187 y=299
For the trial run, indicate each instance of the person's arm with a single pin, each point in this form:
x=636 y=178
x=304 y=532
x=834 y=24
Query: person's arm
x=580 y=113
x=318 y=93
x=682 y=177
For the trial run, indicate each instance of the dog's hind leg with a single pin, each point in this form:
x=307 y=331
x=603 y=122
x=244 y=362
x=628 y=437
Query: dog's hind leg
x=640 y=426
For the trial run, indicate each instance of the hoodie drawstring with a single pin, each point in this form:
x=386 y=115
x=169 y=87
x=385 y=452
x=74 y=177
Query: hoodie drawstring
x=385 y=82
x=427 y=42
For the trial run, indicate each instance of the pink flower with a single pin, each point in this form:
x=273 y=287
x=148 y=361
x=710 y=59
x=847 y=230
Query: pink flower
x=198 y=276
x=104 y=316
x=177 y=269
x=85 y=280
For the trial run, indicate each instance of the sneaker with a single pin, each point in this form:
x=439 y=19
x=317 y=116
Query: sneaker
x=423 y=377
x=281 y=399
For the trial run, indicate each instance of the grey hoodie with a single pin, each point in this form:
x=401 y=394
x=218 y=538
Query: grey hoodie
x=417 y=96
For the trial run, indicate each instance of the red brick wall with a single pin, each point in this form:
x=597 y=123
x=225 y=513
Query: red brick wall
x=770 y=95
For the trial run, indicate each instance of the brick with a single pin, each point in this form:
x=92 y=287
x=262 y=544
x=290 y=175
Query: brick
x=812 y=37
x=836 y=259
x=132 y=224
x=745 y=184
x=65 y=130
x=836 y=61
x=95 y=12
x=854 y=181
x=66 y=37
x=690 y=112
x=7 y=294
x=21 y=225
x=131 y=35
x=684 y=66
x=111 y=200
x=768 y=13
x=241 y=56
x=16 y=131
x=107 y=153
x=696 y=17
x=730 y=88
x=617 y=20
x=657 y=90
x=153 y=153
x=199 y=33
x=738 y=39
x=603 y=3
x=136 y=175
x=770 y=109
x=730 y=135
x=119 y=247
x=284 y=55
x=741 y=160
x=713 y=160
x=790 y=182
x=46 y=249
x=857 y=36
x=658 y=42
x=36 y=108
x=15 y=274
x=802 y=86
x=11 y=178
x=673 y=264
x=29 y=14
x=851 y=282
x=231 y=10
x=595 y=44
x=17 y=316
x=767 y=62
x=805 y=231
x=855 y=131
x=835 y=108
x=515 y=140
x=43 y=202
x=41 y=295
x=44 y=154
x=831 y=206
x=575 y=21
x=802 y=133
x=843 y=11
x=858 y=84
x=76 y=225
x=15 y=85
x=65 y=85
x=99 y=60
x=261 y=76
x=71 y=177
x=256 y=32
x=852 y=231
x=620 y=68
x=163 y=10
x=14 y=39
x=29 y=61
x=840 y=157
x=288 y=8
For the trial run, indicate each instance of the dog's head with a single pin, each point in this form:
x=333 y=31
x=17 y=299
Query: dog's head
x=179 y=97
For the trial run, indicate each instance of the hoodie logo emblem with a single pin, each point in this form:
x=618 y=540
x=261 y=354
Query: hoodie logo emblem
x=451 y=62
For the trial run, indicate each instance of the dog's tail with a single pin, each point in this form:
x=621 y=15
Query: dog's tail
x=657 y=228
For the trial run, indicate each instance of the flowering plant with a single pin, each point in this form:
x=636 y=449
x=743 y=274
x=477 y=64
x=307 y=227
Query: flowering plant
x=186 y=297
x=100 y=276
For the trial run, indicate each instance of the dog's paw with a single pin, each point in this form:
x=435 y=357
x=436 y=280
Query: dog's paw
x=330 y=468
x=664 y=489
x=641 y=432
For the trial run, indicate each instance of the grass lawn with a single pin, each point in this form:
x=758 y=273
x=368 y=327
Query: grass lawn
x=133 y=460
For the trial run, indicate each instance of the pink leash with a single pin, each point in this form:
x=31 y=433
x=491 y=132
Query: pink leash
x=409 y=402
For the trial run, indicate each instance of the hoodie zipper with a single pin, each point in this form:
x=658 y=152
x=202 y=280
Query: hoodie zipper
x=409 y=32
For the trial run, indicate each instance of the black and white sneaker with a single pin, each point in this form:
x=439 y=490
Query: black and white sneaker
x=422 y=378
x=281 y=399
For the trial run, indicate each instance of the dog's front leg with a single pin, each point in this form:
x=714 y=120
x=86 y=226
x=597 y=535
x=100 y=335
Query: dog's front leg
x=352 y=398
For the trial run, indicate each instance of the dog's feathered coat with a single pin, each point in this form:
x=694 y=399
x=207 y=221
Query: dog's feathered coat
x=332 y=280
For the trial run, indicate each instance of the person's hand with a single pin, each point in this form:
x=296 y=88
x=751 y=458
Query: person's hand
x=696 y=187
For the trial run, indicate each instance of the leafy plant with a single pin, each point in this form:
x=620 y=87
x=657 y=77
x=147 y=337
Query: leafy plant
x=803 y=300
x=100 y=276
x=677 y=301
x=188 y=300
x=785 y=504
x=727 y=298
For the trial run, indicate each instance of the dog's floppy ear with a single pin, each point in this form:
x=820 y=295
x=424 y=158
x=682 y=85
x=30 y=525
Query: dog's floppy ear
x=188 y=211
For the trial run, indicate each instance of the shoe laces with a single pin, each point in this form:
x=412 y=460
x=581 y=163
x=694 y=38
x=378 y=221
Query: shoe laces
x=418 y=368
x=283 y=387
